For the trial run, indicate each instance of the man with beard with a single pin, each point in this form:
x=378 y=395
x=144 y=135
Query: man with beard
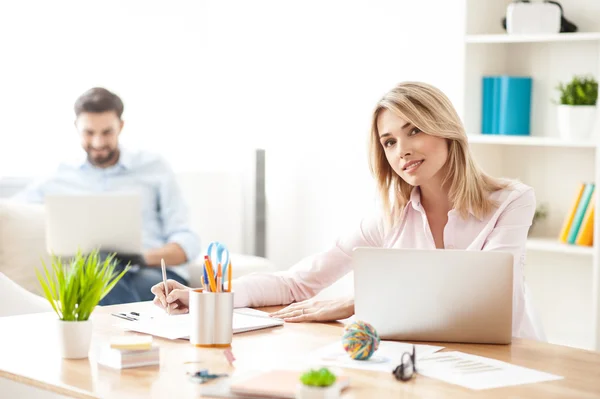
x=107 y=167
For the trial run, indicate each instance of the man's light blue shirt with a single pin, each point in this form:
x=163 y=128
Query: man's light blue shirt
x=164 y=211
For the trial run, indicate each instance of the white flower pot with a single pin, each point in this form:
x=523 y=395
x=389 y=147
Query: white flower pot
x=576 y=122
x=310 y=392
x=74 y=338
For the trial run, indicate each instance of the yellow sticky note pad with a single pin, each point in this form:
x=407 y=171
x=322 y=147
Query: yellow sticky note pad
x=132 y=342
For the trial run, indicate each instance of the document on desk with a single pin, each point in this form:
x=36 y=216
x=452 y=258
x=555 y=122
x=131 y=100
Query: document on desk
x=476 y=372
x=178 y=326
x=385 y=359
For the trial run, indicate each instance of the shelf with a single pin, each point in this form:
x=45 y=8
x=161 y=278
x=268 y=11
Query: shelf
x=545 y=38
x=529 y=141
x=553 y=245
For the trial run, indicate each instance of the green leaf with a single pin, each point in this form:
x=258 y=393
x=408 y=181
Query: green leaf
x=47 y=292
x=580 y=90
x=76 y=288
x=318 y=378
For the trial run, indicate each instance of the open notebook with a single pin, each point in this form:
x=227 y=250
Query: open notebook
x=178 y=326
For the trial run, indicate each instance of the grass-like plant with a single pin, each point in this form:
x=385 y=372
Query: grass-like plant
x=318 y=378
x=74 y=289
x=579 y=91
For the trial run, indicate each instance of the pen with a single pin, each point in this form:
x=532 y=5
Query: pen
x=123 y=316
x=164 y=276
x=203 y=284
x=205 y=275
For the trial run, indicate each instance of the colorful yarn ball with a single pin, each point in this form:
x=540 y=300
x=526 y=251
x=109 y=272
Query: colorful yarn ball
x=360 y=340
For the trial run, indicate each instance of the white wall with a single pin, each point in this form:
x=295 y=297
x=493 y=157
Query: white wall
x=201 y=79
x=148 y=52
x=339 y=58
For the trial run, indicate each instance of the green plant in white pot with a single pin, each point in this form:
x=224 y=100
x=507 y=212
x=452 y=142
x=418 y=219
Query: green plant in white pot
x=318 y=384
x=74 y=289
x=577 y=107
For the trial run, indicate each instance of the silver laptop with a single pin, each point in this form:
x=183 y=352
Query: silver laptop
x=111 y=222
x=435 y=295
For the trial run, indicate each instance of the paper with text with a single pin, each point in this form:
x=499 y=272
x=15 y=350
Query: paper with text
x=476 y=372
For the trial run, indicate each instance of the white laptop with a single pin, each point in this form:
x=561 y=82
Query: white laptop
x=435 y=295
x=111 y=222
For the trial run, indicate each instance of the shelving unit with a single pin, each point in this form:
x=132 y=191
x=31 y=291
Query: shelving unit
x=506 y=38
x=530 y=141
x=563 y=280
x=549 y=244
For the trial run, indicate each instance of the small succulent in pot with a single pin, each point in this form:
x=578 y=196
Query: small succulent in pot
x=318 y=384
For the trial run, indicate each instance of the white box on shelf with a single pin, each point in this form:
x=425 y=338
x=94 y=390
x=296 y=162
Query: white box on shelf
x=532 y=18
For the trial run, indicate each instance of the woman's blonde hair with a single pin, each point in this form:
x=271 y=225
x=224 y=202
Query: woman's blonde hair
x=427 y=108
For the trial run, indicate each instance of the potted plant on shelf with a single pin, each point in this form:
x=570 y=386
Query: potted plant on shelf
x=541 y=213
x=318 y=384
x=74 y=290
x=577 y=107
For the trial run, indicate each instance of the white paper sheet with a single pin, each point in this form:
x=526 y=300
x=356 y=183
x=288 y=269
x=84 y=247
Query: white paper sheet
x=476 y=372
x=385 y=359
x=178 y=326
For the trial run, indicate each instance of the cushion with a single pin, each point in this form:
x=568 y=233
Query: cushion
x=22 y=242
x=15 y=300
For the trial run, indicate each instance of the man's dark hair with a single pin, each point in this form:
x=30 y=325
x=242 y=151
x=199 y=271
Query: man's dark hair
x=99 y=100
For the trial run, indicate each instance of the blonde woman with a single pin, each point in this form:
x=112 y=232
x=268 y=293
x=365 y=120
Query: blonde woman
x=433 y=196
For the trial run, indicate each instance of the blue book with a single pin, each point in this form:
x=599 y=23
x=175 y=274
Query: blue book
x=487 y=106
x=514 y=105
x=580 y=212
x=496 y=105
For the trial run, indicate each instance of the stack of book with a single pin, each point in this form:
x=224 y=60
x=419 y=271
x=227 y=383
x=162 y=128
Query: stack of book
x=578 y=226
x=129 y=351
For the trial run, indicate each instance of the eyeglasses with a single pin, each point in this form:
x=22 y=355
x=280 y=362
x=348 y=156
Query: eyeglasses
x=407 y=367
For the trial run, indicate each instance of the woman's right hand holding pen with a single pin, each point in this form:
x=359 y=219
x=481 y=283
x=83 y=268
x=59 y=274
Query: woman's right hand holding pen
x=178 y=298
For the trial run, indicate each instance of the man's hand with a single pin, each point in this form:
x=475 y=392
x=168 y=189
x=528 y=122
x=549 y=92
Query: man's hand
x=172 y=253
x=311 y=310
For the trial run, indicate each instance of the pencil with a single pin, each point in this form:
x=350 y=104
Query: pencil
x=229 y=277
x=211 y=274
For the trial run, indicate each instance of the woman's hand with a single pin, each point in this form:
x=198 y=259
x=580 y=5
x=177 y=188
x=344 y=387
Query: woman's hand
x=311 y=310
x=178 y=298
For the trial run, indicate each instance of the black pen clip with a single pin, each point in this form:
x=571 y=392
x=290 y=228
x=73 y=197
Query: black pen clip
x=124 y=316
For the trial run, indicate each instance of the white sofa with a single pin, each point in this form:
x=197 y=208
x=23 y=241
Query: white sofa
x=220 y=217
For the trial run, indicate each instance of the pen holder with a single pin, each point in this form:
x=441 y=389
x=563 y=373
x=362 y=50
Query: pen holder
x=212 y=318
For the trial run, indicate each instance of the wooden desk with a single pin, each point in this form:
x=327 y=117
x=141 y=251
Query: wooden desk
x=28 y=354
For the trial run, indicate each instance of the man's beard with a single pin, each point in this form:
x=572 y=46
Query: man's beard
x=112 y=154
